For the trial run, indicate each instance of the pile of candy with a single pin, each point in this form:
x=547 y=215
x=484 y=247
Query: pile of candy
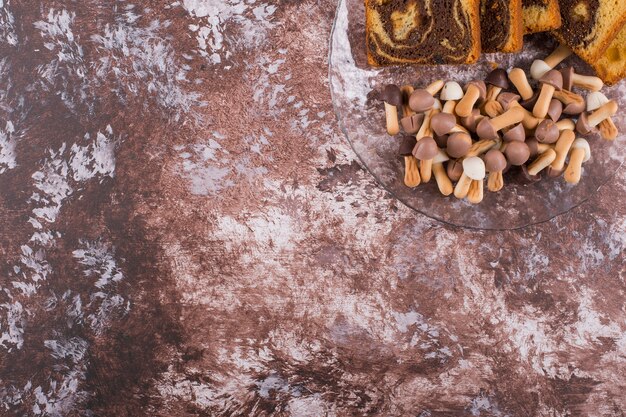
x=483 y=130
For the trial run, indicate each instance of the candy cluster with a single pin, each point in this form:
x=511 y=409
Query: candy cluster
x=487 y=127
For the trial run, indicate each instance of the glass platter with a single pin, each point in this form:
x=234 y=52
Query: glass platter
x=521 y=202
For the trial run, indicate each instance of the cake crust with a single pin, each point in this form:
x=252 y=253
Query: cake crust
x=417 y=32
x=611 y=67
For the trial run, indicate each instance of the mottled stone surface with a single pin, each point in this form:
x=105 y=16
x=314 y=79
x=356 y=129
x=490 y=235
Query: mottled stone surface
x=186 y=232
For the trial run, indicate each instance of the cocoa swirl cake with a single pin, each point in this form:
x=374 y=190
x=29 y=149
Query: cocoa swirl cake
x=501 y=25
x=422 y=32
x=589 y=26
x=541 y=15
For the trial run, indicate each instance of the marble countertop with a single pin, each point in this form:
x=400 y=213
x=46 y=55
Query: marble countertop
x=185 y=231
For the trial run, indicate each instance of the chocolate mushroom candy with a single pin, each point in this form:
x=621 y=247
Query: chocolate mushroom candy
x=595 y=100
x=579 y=153
x=425 y=150
x=442 y=141
x=458 y=144
x=517 y=153
x=451 y=93
x=496 y=81
x=566 y=124
x=542 y=161
x=509 y=100
x=561 y=147
x=555 y=109
x=547 y=132
x=527 y=176
x=535 y=147
x=574 y=103
x=586 y=122
x=586 y=82
x=474 y=91
x=550 y=82
x=425 y=129
x=473 y=170
x=515 y=134
x=443 y=182
x=454 y=169
x=411 y=171
x=519 y=80
x=406 y=91
x=445 y=123
x=470 y=122
x=411 y=124
x=488 y=128
x=539 y=67
x=495 y=163
x=392 y=97
x=421 y=100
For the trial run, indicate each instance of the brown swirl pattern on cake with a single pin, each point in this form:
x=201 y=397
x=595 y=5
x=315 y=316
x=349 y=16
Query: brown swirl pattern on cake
x=501 y=25
x=589 y=26
x=428 y=32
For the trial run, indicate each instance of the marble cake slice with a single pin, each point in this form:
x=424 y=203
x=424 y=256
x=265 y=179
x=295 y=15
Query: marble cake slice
x=541 y=15
x=422 y=32
x=611 y=66
x=501 y=25
x=589 y=26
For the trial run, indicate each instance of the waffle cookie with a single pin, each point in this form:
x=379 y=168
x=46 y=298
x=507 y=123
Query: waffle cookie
x=540 y=15
x=501 y=25
x=422 y=32
x=611 y=66
x=589 y=26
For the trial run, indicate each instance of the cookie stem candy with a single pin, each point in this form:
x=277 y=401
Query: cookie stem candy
x=519 y=80
x=473 y=169
x=495 y=163
x=434 y=87
x=425 y=150
x=475 y=193
x=586 y=122
x=488 y=128
x=566 y=124
x=411 y=171
x=562 y=147
x=543 y=161
x=595 y=100
x=579 y=154
x=574 y=103
x=451 y=93
x=443 y=182
x=497 y=80
x=475 y=91
x=540 y=67
x=392 y=97
x=550 y=82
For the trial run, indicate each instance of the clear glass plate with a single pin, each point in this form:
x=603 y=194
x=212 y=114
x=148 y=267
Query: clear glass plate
x=520 y=203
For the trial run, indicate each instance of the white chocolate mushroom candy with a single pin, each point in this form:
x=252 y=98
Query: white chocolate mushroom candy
x=595 y=100
x=580 y=143
x=440 y=157
x=539 y=68
x=474 y=167
x=451 y=91
x=437 y=105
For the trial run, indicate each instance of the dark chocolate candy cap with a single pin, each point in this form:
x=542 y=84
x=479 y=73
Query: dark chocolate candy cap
x=555 y=109
x=454 y=169
x=499 y=78
x=421 y=100
x=506 y=98
x=495 y=161
x=527 y=177
x=470 y=122
x=554 y=172
x=547 y=132
x=411 y=124
x=582 y=124
x=485 y=130
x=517 y=153
x=391 y=94
x=426 y=148
x=553 y=78
x=442 y=123
x=515 y=134
x=568 y=75
x=458 y=144
x=530 y=103
x=442 y=141
x=407 y=143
